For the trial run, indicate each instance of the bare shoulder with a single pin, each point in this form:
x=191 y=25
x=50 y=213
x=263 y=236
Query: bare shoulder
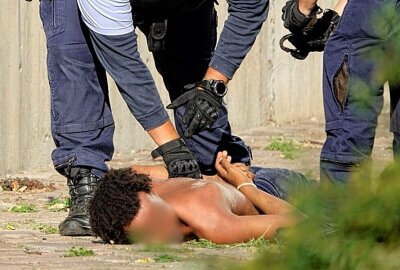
x=199 y=194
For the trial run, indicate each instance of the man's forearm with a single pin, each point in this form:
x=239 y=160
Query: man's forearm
x=267 y=203
x=237 y=229
x=213 y=74
x=306 y=6
x=238 y=35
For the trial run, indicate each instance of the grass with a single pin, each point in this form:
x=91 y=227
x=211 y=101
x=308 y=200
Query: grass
x=286 y=146
x=167 y=253
x=166 y=258
x=164 y=249
x=78 y=252
x=45 y=228
x=203 y=243
x=59 y=204
x=24 y=208
x=258 y=244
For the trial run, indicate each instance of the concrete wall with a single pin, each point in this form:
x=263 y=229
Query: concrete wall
x=270 y=86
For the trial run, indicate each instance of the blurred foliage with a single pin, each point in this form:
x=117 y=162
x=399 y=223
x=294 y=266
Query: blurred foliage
x=348 y=227
x=387 y=24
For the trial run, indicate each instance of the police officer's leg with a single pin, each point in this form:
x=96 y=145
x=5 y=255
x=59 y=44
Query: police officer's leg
x=81 y=120
x=395 y=120
x=352 y=99
x=352 y=105
x=353 y=96
x=190 y=42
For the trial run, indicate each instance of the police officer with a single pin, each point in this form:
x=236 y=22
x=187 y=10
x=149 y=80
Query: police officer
x=353 y=93
x=182 y=37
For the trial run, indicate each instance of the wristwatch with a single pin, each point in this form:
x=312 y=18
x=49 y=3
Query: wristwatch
x=219 y=88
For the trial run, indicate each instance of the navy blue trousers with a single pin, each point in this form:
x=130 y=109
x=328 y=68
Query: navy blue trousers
x=282 y=183
x=81 y=119
x=353 y=93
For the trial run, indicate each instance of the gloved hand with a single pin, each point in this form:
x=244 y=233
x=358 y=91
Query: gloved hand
x=179 y=160
x=294 y=20
x=314 y=37
x=202 y=109
x=317 y=35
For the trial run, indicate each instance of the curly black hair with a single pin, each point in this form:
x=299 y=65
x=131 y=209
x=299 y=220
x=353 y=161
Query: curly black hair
x=115 y=203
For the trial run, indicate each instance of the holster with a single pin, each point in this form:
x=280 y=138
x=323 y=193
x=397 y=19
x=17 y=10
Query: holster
x=153 y=15
x=156 y=36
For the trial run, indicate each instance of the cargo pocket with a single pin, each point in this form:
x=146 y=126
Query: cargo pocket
x=341 y=83
x=52 y=14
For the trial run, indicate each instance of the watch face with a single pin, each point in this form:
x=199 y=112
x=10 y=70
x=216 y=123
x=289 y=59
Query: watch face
x=220 y=88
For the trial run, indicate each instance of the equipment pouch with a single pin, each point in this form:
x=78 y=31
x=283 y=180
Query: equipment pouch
x=156 y=36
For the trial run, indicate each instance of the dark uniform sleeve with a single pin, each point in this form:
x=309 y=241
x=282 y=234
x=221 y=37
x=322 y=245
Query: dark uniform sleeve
x=121 y=59
x=239 y=33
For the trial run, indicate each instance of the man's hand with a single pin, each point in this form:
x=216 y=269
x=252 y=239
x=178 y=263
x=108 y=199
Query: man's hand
x=202 y=109
x=178 y=159
x=296 y=21
x=235 y=174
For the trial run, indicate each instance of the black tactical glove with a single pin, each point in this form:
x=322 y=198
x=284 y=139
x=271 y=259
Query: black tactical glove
x=203 y=106
x=314 y=37
x=294 y=20
x=178 y=159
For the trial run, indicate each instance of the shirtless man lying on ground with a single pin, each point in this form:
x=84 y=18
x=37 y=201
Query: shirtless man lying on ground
x=140 y=204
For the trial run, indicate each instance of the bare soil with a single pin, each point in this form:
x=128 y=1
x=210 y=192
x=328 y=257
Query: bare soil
x=26 y=244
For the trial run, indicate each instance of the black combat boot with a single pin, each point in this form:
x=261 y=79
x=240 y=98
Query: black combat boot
x=81 y=182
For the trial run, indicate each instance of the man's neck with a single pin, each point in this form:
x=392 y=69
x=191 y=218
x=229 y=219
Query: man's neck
x=187 y=232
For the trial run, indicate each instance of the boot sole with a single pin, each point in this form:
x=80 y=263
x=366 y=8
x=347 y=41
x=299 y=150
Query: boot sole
x=76 y=233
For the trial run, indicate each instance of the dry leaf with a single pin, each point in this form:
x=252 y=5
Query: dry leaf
x=57 y=207
x=14 y=186
x=10 y=227
x=145 y=260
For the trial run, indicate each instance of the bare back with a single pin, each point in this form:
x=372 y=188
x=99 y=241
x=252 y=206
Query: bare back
x=200 y=202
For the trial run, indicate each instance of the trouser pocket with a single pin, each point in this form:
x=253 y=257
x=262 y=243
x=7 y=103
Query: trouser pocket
x=53 y=16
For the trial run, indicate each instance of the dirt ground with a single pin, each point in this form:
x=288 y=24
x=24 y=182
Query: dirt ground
x=31 y=241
